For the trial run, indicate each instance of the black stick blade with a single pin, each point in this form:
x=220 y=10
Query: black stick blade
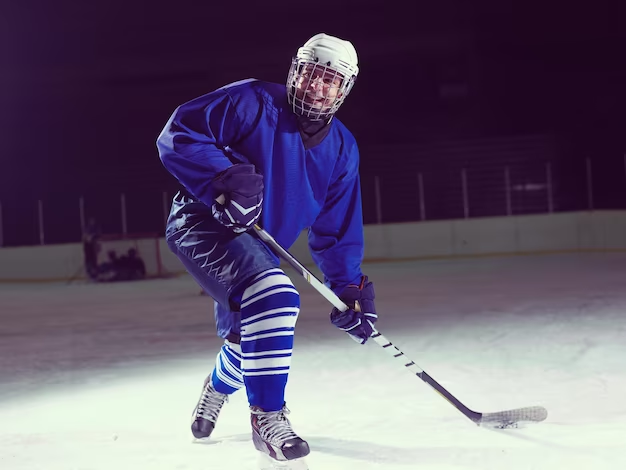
x=512 y=418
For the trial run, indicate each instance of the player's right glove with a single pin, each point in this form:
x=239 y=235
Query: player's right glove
x=358 y=321
x=242 y=188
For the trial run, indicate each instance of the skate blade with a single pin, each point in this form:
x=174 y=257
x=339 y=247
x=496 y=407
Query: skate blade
x=265 y=462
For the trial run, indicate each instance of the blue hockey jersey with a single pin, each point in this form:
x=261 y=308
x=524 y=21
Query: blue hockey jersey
x=319 y=188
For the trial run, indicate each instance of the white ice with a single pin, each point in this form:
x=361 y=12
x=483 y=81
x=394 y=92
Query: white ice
x=106 y=376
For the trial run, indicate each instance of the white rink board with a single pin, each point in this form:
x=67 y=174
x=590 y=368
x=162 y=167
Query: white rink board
x=574 y=231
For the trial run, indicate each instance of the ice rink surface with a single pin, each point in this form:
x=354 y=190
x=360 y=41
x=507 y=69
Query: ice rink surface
x=96 y=377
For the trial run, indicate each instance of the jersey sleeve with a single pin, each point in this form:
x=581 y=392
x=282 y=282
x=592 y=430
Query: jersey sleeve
x=336 y=237
x=191 y=146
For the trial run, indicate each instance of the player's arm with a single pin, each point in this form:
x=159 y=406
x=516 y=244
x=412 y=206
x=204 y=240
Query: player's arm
x=336 y=244
x=191 y=146
x=336 y=237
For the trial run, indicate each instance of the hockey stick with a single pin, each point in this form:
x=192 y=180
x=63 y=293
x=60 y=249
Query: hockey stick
x=500 y=419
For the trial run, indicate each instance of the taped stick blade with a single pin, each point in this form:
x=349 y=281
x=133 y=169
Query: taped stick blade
x=513 y=418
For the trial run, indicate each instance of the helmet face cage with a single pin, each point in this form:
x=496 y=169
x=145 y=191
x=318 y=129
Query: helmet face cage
x=304 y=70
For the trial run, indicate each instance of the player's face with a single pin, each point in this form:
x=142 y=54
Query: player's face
x=318 y=86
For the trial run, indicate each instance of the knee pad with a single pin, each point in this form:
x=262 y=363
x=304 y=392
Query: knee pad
x=270 y=298
x=269 y=310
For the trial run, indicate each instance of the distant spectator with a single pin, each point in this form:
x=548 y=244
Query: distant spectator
x=108 y=271
x=128 y=267
x=91 y=247
x=132 y=266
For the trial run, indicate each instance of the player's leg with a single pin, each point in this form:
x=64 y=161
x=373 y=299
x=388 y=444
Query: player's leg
x=225 y=380
x=270 y=305
x=226 y=377
x=221 y=262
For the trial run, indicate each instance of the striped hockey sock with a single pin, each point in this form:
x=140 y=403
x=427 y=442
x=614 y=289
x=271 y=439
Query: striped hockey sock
x=227 y=376
x=269 y=310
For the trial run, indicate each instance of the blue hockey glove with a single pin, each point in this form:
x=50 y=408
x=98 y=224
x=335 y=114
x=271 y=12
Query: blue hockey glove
x=242 y=188
x=358 y=321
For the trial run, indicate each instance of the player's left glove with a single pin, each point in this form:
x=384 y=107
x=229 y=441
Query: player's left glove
x=242 y=188
x=358 y=321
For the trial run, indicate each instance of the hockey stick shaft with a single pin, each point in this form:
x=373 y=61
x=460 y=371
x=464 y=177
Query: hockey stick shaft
x=376 y=336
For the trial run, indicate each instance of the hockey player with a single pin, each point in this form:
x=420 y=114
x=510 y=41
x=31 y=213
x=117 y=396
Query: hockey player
x=278 y=158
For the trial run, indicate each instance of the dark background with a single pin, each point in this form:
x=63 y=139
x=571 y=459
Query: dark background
x=445 y=86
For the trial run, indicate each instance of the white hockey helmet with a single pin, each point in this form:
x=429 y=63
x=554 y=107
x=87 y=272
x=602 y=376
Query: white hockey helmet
x=326 y=55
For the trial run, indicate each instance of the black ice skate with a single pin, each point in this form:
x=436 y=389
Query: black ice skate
x=207 y=410
x=273 y=435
